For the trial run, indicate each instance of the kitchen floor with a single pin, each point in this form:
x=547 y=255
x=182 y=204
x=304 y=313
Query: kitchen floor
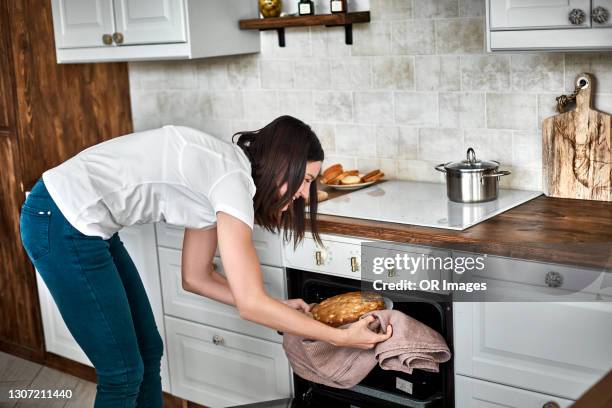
x=21 y=374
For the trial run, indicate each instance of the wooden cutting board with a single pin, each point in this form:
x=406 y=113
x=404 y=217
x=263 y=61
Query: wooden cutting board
x=577 y=149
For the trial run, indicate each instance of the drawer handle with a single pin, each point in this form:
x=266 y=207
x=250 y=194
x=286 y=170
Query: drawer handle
x=553 y=279
x=551 y=404
x=600 y=15
x=576 y=16
x=217 y=340
x=354 y=265
x=318 y=258
x=107 y=39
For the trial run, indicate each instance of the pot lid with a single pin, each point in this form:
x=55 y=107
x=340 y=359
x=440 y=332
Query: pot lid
x=471 y=164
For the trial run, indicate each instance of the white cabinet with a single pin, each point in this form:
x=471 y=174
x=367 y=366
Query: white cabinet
x=139 y=240
x=520 y=14
x=218 y=368
x=549 y=347
x=82 y=23
x=473 y=393
x=180 y=303
x=150 y=21
x=549 y=25
x=267 y=245
x=128 y=30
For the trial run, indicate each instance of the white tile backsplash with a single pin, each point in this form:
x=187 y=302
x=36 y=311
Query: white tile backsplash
x=414 y=90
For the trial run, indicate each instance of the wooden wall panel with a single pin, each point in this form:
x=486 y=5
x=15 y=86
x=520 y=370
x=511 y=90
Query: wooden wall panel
x=6 y=94
x=19 y=308
x=63 y=108
x=48 y=113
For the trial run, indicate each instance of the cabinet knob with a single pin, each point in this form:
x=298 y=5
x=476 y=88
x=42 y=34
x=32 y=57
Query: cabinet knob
x=354 y=264
x=600 y=15
x=118 y=38
x=107 y=39
x=217 y=340
x=576 y=16
x=551 y=404
x=553 y=279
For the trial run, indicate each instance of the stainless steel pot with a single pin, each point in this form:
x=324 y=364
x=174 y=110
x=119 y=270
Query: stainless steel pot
x=472 y=180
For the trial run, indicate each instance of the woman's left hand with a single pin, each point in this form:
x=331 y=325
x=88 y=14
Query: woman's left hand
x=297 y=304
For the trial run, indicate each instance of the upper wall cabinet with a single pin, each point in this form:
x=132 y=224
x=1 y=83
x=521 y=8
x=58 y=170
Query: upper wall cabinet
x=553 y=25
x=128 y=30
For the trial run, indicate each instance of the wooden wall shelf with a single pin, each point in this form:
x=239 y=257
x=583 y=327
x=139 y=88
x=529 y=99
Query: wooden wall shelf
x=330 y=20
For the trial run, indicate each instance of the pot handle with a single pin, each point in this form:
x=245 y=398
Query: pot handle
x=440 y=167
x=498 y=173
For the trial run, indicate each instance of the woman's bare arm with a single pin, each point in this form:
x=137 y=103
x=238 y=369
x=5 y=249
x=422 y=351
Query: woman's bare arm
x=243 y=273
x=197 y=271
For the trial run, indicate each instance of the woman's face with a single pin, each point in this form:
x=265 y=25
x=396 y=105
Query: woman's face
x=311 y=173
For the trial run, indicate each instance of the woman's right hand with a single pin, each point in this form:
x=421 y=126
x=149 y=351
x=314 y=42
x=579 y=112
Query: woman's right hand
x=358 y=335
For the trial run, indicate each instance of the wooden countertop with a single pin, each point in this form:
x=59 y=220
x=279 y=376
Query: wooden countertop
x=566 y=231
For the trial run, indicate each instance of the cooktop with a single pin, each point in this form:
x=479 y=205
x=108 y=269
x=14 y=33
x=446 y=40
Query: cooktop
x=420 y=203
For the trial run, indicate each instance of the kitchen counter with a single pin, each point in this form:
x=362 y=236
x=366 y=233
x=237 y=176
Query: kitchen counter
x=566 y=231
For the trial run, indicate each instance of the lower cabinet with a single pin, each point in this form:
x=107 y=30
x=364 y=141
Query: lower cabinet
x=139 y=240
x=190 y=306
x=219 y=368
x=473 y=393
x=556 y=348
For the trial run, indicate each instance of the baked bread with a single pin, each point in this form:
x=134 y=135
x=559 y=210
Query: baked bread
x=331 y=172
x=347 y=307
x=374 y=175
x=336 y=180
x=350 y=180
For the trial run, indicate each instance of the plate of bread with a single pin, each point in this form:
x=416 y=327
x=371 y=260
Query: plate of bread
x=348 y=307
x=335 y=176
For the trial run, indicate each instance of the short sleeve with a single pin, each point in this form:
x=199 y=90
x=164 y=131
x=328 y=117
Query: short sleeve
x=233 y=194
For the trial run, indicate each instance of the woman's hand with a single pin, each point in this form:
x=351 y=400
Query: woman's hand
x=358 y=335
x=297 y=304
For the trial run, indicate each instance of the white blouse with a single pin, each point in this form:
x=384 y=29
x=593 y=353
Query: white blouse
x=174 y=174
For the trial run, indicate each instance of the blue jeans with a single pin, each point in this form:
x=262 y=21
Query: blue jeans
x=102 y=300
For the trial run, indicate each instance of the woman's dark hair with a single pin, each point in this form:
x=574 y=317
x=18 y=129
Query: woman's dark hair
x=279 y=153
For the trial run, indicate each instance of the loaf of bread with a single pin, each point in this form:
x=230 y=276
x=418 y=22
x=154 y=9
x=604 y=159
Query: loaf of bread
x=347 y=307
x=350 y=180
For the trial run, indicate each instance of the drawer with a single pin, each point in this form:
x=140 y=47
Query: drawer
x=519 y=279
x=267 y=244
x=180 y=303
x=550 y=347
x=339 y=256
x=218 y=368
x=473 y=393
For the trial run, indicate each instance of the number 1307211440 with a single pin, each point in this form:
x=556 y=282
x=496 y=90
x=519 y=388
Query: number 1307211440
x=39 y=394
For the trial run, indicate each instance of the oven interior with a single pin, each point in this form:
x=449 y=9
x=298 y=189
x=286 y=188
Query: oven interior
x=381 y=388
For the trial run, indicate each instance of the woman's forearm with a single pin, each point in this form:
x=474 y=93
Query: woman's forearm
x=216 y=287
x=273 y=313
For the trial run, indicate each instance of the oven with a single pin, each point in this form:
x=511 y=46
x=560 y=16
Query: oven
x=381 y=388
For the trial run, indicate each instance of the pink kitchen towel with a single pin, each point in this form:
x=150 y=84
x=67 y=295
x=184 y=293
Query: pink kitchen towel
x=413 y=345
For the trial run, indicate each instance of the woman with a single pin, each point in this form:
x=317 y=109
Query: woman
x=182 y=176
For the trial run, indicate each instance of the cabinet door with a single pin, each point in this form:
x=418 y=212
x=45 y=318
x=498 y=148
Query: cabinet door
x=218 y=368
x=150 y=21
x=473 y=393
x=82 y=23
x=180 y=303
x=519 y=14
x=556 y=348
